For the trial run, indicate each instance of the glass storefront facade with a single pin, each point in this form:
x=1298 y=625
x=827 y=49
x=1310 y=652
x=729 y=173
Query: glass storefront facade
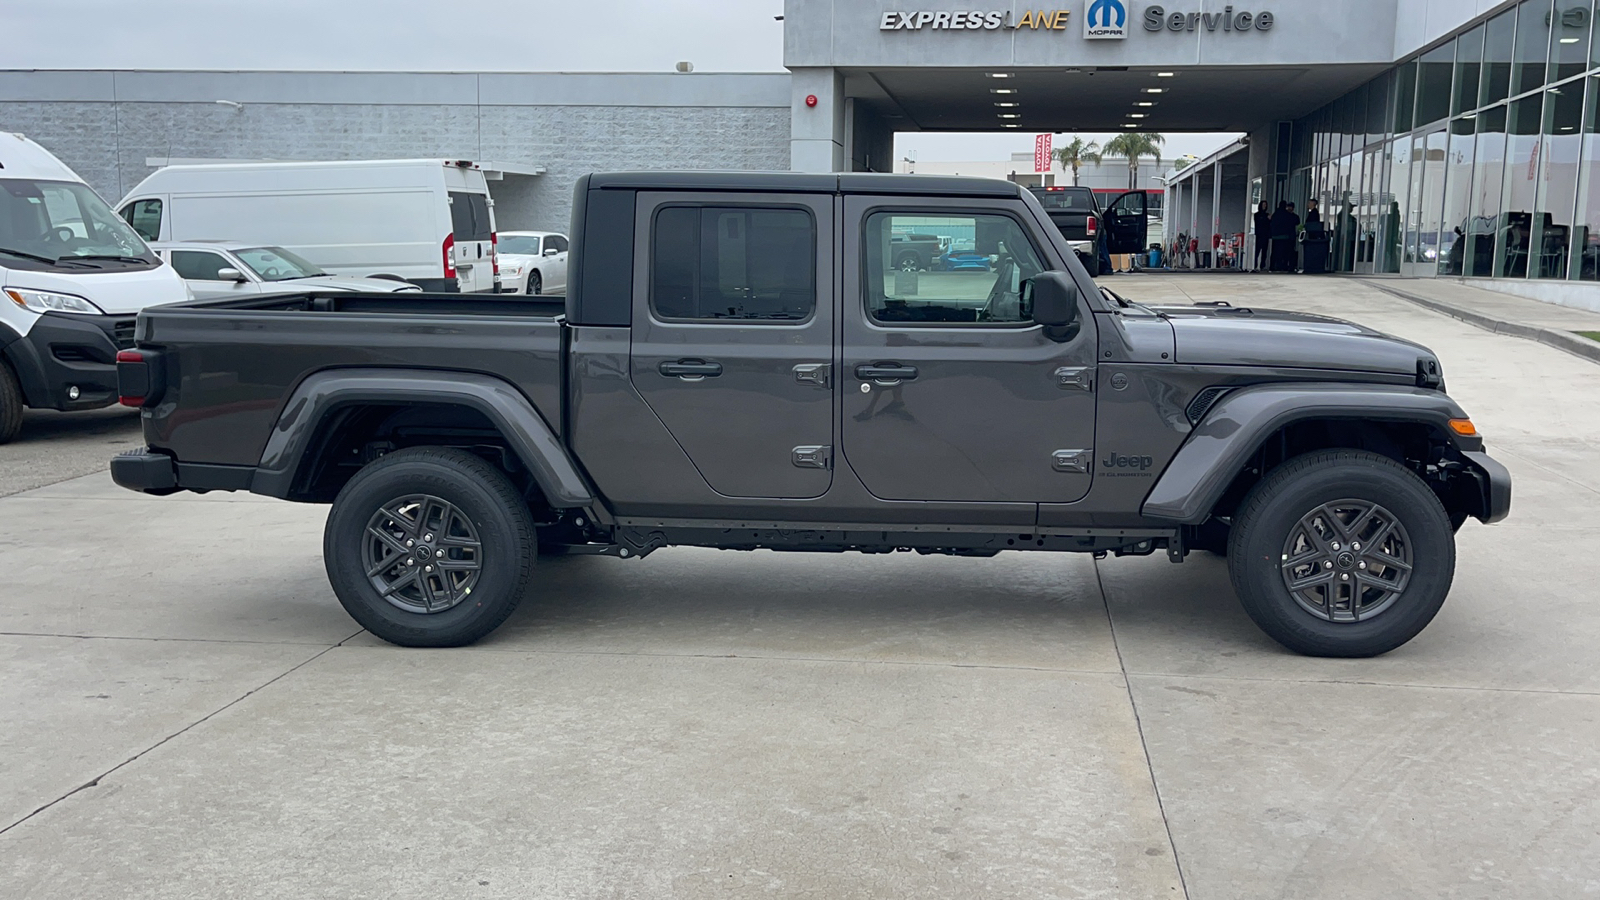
x=1478 y=157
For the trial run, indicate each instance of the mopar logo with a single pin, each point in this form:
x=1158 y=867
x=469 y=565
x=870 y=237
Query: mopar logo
x=1118 y=461
x=1105 y=19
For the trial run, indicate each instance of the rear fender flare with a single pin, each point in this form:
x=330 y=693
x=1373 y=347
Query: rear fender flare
x=1220 y=446
x=320 y=394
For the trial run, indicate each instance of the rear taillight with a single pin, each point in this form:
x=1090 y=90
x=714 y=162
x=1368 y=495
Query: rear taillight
x=494 y=251
x=133 y=378
x=449 y=256
x=1093 y=225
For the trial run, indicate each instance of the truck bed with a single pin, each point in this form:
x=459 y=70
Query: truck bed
x=230 y=365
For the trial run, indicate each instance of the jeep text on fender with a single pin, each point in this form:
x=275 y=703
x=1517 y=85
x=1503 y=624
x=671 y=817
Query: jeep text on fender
x=821 y=386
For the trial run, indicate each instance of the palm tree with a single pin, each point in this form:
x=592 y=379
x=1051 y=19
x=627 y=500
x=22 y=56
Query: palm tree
x=1076 y=154
x=1133 y=145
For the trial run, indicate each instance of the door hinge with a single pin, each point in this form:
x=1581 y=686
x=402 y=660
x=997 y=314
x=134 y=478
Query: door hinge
x=1075 y=378
x=820 y=374
x=812 y=457
x=1071 y=461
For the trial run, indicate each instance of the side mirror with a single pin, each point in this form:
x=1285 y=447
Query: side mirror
x=1054 y=298
x=551 y=251
x=230 y=274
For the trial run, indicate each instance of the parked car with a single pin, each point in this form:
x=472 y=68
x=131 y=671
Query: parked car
x=72 y=275
x=738 y=365
x=915 y=252
x=218 y=269
x=533 y=262
x=427 y=221
x=962 y=258
x=1122 y=227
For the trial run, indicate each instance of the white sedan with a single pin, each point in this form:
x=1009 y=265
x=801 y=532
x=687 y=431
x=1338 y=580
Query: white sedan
x=532 y=262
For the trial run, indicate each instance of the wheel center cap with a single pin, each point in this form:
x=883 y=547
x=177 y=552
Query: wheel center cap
x=424 y=554
x=1346 y=560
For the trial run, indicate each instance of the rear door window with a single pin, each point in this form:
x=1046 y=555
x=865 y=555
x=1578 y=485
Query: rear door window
x=469 y=216
x=711 y=263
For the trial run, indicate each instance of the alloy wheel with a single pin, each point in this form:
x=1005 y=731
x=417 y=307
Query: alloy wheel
x=422 y=553
x=1347 y=561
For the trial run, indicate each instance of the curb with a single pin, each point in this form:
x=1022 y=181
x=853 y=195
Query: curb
x=1550 y=337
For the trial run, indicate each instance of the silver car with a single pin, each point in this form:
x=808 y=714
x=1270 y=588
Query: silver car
x=217 y=270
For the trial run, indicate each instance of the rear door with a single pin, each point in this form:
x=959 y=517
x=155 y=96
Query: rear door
x=1127 y=223
x=556 y=266
x=733 y=335
x=474 y=240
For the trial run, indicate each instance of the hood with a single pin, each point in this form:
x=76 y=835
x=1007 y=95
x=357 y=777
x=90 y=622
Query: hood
x=1268 y=337
x=117 y=291
x=340 y=283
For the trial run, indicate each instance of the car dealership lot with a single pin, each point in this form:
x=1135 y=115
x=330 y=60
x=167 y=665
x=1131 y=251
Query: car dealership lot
x=190 y=713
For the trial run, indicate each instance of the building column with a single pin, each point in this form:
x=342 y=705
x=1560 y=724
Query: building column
x=817 y=134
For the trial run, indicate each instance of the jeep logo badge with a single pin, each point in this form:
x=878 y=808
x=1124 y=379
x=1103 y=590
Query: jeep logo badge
x=1119 y=461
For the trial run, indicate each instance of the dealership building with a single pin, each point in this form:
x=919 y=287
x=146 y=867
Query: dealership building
x=1440 y=137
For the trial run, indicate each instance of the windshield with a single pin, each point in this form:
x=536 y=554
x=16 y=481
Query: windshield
x=277 y=264
x=526 y=245
x=56 y=222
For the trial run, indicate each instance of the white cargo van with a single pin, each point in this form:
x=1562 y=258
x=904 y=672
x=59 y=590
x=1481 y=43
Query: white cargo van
x=72 y=278
x=427 y=221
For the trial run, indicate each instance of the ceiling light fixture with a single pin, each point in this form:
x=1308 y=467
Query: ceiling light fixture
x=1010 y=115
x=1009 y=125
x=1145 y=103
x=1130 y=125
x=1155 y=90
x=1000 y=75
x=1165 y=74
x=1008 y=104
x=1570 y=40
x=1002 y=90
x=1135 y=115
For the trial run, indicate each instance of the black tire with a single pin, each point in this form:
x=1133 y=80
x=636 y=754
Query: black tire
x=535 y=284
x=10 y=404
x=908 y=262
x=490 y=508
x=1278 y=508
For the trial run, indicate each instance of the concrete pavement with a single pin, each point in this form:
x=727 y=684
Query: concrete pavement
x=189 y=713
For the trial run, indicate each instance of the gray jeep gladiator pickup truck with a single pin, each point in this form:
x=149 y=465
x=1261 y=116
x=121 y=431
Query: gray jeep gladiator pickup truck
x=739 y=364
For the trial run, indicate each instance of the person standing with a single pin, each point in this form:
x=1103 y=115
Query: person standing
x=1292 y=259
x=1282 y=227
x=1312 y=216
x=1263 y=223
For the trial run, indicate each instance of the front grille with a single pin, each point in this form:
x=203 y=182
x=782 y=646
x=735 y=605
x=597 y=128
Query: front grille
x=122 y=333
x=1202 y=403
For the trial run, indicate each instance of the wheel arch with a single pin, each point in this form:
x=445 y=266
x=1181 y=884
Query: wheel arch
x=334 y=412
x=1251 y=430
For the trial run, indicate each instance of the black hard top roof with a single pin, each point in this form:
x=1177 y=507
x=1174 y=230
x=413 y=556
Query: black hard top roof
x=803 y=182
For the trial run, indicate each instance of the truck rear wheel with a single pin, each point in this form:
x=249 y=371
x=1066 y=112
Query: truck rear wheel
x=429 y=547
x=1342 y=553
x=10 y=404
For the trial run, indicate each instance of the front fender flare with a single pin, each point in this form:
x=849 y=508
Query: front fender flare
x=529 y=437
x=1236 y=426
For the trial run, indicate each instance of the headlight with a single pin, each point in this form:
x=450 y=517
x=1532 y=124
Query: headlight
x=47 y=301
x=511 y=270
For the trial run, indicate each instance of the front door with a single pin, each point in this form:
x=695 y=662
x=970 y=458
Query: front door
x=733 y=336
x=950 y=392
x=1128 y=223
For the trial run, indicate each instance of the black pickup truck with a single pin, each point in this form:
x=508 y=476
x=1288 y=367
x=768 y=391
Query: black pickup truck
x=1122 y=227
x=739 y=364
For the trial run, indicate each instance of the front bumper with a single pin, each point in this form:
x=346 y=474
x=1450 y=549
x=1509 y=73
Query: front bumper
x=1495 y=482
x=65 y=351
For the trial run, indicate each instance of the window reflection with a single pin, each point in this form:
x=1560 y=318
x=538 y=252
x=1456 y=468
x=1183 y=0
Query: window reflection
x=1557 y=181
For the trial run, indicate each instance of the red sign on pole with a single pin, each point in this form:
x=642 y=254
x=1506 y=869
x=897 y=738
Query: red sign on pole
x=1041 y=153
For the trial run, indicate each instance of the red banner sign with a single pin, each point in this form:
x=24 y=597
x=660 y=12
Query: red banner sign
x=1041 y=153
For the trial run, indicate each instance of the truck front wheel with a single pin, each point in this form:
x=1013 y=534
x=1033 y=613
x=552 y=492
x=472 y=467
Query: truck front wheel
x=1341 y=553
x=10 y=404
x=429 y=547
